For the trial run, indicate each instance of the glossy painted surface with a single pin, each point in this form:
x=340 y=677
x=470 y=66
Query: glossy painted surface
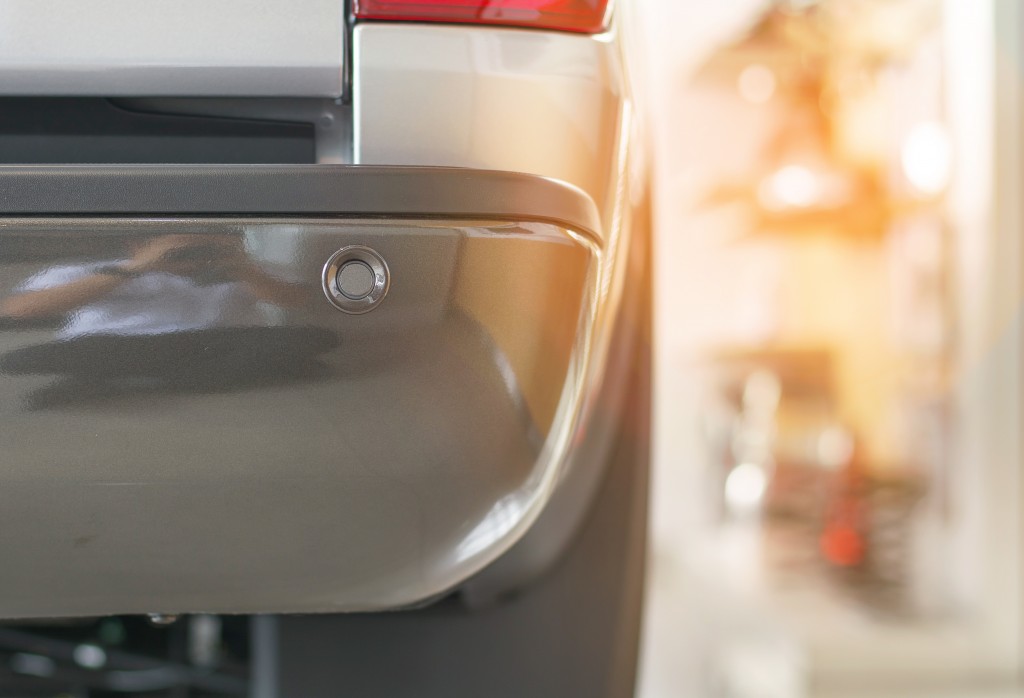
x=226 y=48
x=543 y=103
x=187 y=424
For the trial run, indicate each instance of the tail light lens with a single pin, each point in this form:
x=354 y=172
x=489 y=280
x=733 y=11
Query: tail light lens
x=586 y=16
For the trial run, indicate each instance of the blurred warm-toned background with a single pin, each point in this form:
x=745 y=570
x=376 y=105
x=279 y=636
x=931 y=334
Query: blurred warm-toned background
x=838 y=475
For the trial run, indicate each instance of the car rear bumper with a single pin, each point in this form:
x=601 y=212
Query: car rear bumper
x=208 y=432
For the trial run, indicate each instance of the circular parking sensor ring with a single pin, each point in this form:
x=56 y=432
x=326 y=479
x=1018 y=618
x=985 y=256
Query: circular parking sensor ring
x=356 y=279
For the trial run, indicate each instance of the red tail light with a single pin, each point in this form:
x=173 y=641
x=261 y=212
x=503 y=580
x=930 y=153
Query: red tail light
x=587 y=16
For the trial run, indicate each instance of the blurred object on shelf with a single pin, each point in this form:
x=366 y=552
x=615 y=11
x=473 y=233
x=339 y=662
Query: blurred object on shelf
x=867 y=536
x=789 y=465
x=753 y=444
x=763 y=398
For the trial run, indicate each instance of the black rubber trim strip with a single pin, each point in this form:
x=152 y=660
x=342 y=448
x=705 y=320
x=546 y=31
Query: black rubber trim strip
x=348 y=69
x=350 y=190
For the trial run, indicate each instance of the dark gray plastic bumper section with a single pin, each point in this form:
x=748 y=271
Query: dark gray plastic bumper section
x=188 y=424
x=305 y=190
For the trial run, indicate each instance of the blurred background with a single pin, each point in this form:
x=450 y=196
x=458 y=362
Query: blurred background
x=836 y=502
